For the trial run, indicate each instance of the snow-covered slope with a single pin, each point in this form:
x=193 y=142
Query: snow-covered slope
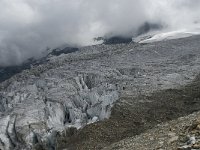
x=168 y=34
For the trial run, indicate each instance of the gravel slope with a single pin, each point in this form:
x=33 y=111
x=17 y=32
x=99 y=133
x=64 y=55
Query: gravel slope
x=176 y=134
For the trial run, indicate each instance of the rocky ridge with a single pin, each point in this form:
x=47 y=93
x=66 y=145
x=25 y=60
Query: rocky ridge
x=179 y=134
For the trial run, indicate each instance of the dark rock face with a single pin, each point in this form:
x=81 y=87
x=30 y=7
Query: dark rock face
x=117 y=40
x=67 y=50
x=114 y=40
x=7 y=72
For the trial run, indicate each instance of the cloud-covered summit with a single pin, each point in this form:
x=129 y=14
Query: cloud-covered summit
x=27 y=27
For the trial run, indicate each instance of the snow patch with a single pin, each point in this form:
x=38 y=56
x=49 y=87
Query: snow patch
x=167 y=35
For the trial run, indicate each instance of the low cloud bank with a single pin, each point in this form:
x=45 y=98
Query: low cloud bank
x=28 y=27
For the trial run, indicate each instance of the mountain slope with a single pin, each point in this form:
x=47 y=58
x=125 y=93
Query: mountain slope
x=77 y=89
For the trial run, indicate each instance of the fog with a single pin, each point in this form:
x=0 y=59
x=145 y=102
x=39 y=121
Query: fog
x=29 y=27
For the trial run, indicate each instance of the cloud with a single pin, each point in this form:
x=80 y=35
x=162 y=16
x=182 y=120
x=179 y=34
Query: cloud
x=27 y=27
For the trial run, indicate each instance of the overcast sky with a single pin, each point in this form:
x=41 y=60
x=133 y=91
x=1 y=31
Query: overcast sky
x=27 y=27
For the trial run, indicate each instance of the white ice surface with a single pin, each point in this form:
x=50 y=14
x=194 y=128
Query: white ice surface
x=167 y=35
